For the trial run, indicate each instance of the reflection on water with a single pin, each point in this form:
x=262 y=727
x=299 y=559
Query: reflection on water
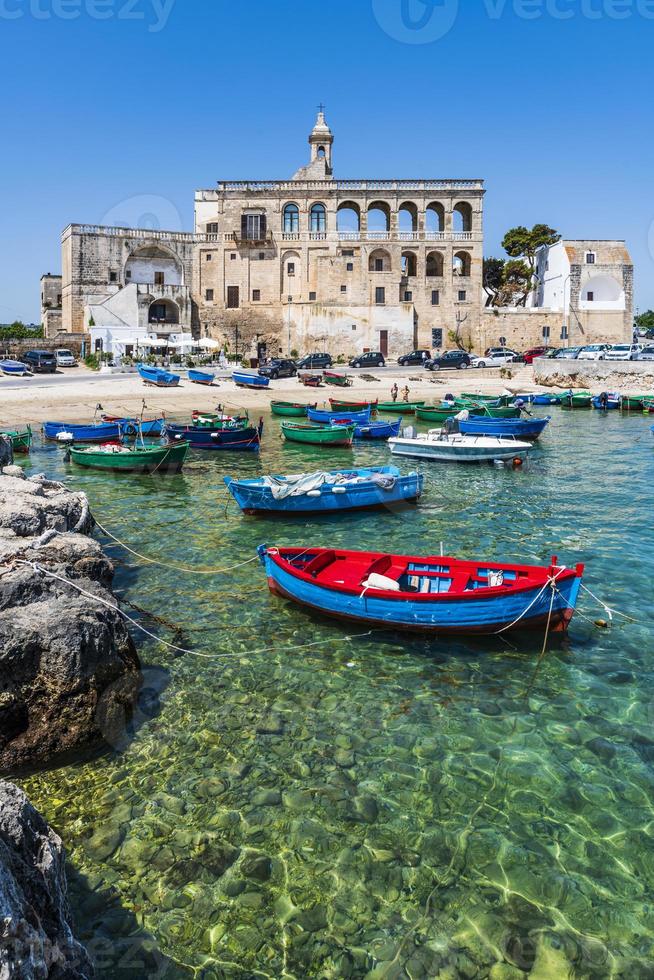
x=305 y=802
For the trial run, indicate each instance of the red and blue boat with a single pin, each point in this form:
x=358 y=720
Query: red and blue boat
x=237 y=437
x=432 y=595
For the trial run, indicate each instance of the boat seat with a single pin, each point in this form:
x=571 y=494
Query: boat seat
x=319 y=563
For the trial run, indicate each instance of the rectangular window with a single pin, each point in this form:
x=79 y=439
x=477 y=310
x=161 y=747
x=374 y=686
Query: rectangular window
x=262 y=255
x=462 y=296
x=343 y=289
x=158 y=278
x=113 y=277
x=435 y=297
x=380 y=295
x=253 y=227
x=128 y=273
x=208 y=295
x=591 y=297
x=232 y=298
x=546 y=333
x=232 y=256
x=312 y=297
x=354 y=326
x=212 y=229
x=347 y=251
x=290 y=268
x=379 y=265
x=350 y=267
x=208 y=257
x=408 y=295
x=256 y=295
x=590 y=258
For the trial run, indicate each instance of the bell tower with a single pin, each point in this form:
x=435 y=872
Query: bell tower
x=321 y=141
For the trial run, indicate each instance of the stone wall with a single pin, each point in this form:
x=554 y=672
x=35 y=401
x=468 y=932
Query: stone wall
x=523 y=328
x=634 y=376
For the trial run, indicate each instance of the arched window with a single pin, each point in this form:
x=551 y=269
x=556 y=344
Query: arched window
x=348 y=218
x=462 y=264
x=462 y=217
x=409 y=264
x=379 y=261
x=291 y=219
x=407 y=217
x=435 y=218
x=434 y=264
x=318 y=218
x=379 y=217
x=321 y=152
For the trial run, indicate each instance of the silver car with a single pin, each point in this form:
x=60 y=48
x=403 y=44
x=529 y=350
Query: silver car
x=623 y=352
x=593 y=352
x=65 y=358
x=647 y=354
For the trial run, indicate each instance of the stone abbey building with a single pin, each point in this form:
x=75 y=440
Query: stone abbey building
x=308 y=263
x=319 y=263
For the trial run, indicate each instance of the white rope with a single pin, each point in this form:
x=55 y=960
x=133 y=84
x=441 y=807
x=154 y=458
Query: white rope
x=607 y=609
x=174 y=567
x=550 y=582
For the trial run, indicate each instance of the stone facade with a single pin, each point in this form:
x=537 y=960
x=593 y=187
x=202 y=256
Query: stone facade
x=51 y=297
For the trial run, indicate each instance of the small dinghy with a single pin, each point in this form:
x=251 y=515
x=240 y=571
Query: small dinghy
x=399 y=408
x=319 y=435
x=21 y=440
x=339 y=405
x=157 y=376
x=340 y=380
x=72 y=432
x=432 y=594
x=326 y=492
x=518 y=428
x=378 y=430
x=201 y=377
x=131 y=427
x=14 y=368
x=310 y=380
x=142 y=459
x=330 y=418
x=546 y=399
x=230 y=437
x=290 y=410
x=576 y=399
x=607 y=401
x=245 y=380
x=444 y=447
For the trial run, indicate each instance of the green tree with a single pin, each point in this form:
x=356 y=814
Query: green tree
x=493 y=273
x=523 y=243
x=18 y=331
x=645 y=321
x=506 y=282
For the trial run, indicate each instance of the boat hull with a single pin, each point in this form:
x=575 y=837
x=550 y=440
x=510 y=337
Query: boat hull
x=13 y=368
x=340 y=380
x=208 y=439
x=159 y=459
x=472 y=613
x=243 y=380
x=330 y=418
x=288 y=410
x=336 y=435
x=201 y=377
x=130 y=428
x=399 y=408
x=378 y=430
x=21 y=442
x=157 y=377
x=461 y=449
x=101 y=432
x=519 y=428
x=339 y=405
x=254 y=499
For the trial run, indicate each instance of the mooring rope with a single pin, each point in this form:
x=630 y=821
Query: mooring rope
x=172 y=565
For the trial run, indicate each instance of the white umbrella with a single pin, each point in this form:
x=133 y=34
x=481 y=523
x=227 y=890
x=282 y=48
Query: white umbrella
x=153 y=342
x=209 y=343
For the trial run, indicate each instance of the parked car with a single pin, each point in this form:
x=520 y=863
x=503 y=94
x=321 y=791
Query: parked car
x=566 y=353
x=65 y=358
x=415 y=357
x=530 y=355
x=278 y=367
x=495 y=357
x=40 y=361
x=316 y=361
x=646 y=354
x=372 y=358
x=458 y=359
x=623 y=352
x=593 y=352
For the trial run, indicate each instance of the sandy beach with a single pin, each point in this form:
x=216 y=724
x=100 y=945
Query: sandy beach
x=75 y=397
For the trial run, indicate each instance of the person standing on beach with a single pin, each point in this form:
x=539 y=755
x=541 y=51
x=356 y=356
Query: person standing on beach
x=394 y=392
x=405 y=393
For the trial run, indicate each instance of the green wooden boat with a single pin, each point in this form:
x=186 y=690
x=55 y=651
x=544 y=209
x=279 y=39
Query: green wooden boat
x=123 y=459
x=435 y=413
x=497 y=401
x=633 y=403
x=576 y=399
x=339 y=405
x=290 y=410
x=319 y=435
x=340 y=380
x=400 y=408
x=21 y=442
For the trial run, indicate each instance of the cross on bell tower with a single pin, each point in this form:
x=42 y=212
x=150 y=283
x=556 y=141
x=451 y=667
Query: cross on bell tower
x=321 y=141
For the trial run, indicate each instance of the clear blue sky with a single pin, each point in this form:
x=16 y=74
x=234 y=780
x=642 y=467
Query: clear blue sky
x=550 y=101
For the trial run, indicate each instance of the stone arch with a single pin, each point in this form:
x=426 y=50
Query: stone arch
x=163 y=311
x=604 y=289
x=149 y=263
x=379 y=255
x=435 y=217
x=348 y=217
x=409 y=264
x=434 y=264
x=379 y=214
x=290 y=218
x=407 y=216
x=318 y=217
x=462 y=264
x=462 y=216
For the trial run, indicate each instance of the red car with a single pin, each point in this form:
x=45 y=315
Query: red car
x=533 y=352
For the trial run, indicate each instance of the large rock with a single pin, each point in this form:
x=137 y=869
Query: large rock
x=6 y=451
x=68 y=668
x=36 y=939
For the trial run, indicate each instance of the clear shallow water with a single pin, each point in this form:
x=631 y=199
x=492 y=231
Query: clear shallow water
x=306 y=802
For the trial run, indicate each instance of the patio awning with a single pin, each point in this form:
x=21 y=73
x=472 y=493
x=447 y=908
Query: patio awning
x=208 y=343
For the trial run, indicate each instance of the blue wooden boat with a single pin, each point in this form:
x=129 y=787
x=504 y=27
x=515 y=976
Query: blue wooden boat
x=326 y=492
x=547 y=399
x=130 y=427
x=433 y=594
x=378 y=430
x=206 y=438
x=17 y=368
x=201 y=377
x=157 y=376
x=94 y=432
x=332 y=418
x=479 y=425
x=607 y=401
x=245 y=380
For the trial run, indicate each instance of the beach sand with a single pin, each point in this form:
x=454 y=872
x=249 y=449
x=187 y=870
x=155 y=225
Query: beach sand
x=42 y=400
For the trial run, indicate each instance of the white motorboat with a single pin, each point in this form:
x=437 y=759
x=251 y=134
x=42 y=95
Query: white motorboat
x=453 y=447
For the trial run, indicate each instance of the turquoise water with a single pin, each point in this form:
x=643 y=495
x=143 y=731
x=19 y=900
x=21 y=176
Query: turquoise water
x=297 y=800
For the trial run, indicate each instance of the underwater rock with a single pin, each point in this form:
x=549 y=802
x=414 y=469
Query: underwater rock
x=70 y=670
x=602 y=748
x=257 y=866
x=36 y=938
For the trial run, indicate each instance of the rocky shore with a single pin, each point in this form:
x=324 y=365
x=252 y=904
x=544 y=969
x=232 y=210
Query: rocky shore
x=69 y=671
